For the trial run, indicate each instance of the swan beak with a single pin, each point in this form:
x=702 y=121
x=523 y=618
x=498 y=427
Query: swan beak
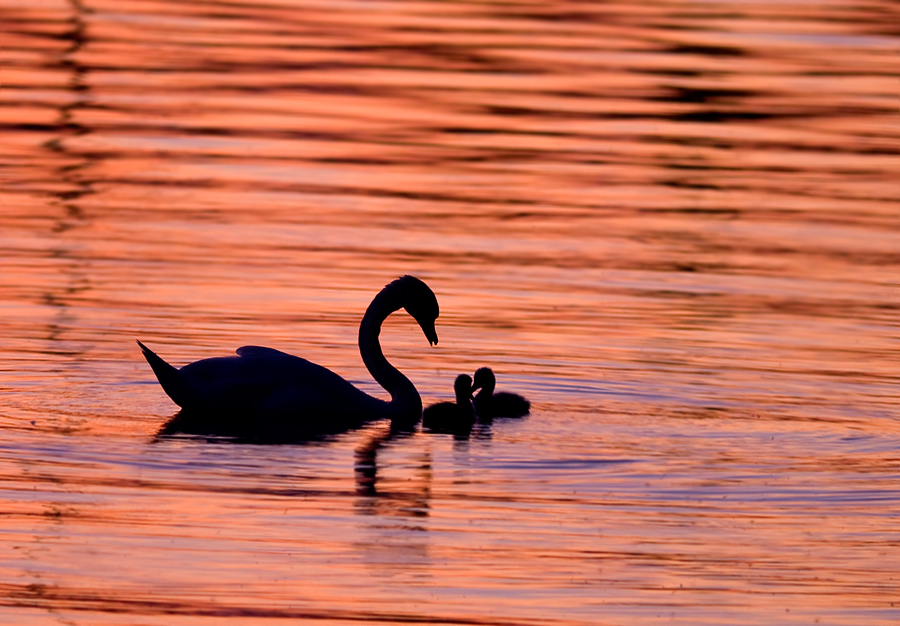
x=430 y=333
x=427 y=326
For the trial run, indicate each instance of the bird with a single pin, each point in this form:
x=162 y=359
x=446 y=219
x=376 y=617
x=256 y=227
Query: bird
x=263 y=392
x=453 y=417
x=503 y=404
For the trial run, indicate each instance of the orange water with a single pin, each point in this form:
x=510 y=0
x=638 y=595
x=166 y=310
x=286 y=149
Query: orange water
x=673 y=226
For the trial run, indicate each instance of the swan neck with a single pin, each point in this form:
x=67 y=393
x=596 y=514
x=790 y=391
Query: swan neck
x=405 y=400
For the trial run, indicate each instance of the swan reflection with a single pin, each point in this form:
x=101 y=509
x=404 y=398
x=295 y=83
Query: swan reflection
x=413 y=501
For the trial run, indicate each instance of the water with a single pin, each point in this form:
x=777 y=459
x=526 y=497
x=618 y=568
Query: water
x=672 y=226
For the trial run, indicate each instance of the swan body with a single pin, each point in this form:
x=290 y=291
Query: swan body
x=503 y=404
x=262 y=391
x=456 y=416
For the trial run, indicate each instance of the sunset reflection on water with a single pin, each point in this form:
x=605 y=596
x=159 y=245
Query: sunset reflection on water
x=672 y=226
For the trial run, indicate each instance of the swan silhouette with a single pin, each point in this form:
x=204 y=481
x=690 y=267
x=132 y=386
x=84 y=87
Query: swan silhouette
x=489 y=404
x=453 y=417
x=267 y=393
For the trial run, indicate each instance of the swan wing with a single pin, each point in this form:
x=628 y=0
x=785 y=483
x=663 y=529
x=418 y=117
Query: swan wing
x=280 y=368
x=277 y=367
x=261 y=352
x=268 y=381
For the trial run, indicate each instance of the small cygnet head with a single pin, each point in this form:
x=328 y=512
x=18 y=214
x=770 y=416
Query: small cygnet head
x=484 y=379
x=463 y=388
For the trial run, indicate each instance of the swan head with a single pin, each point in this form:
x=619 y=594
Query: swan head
x=484 y=378
x=420 y=302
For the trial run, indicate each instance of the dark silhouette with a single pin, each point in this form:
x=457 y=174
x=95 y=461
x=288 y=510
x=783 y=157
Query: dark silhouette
x=489 y=405
x=452 y=417
x=266 y=394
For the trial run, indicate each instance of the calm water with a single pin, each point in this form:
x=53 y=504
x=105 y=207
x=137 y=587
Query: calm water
x=674 y=226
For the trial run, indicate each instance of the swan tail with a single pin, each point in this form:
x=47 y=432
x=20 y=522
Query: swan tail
x=169 y=377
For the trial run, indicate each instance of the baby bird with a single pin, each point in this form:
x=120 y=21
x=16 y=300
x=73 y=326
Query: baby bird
x=489 y=404
x=452 y=417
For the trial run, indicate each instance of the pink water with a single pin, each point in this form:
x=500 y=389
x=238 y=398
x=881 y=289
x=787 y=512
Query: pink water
x=673 y=226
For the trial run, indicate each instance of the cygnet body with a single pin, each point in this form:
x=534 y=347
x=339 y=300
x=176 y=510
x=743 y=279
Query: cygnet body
x=454 y=417
x=490 y=404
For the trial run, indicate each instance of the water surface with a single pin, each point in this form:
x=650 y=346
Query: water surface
x=673 y=227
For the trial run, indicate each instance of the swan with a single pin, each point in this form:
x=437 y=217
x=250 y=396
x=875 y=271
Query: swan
x=265 y=392
x=452 y=416
x=489 y=404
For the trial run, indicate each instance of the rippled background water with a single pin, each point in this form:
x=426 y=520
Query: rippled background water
x=674 y=226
